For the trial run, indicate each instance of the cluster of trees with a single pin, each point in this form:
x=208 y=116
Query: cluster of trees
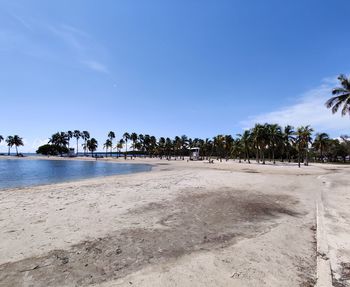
x=262 y=142
x=11 y=141
x=59 y=143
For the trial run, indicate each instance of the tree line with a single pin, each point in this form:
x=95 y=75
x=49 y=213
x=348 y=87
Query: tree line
x=263 y=142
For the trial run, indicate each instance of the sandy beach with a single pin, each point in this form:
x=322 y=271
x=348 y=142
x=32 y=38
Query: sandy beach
x=181 y=224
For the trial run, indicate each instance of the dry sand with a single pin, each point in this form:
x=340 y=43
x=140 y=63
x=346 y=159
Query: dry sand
x=182 y=224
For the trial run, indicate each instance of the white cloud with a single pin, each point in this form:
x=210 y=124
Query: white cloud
x=96 y=66
x=308 y=109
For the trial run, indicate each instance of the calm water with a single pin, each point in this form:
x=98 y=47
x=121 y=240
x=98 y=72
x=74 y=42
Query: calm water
x=22 y=173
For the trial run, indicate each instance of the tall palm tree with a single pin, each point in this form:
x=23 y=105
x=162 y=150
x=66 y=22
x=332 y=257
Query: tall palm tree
x=17 y=141
x=69 y=136
x=111 y=136
x=134 y=138
x=92 y=145
x=126 y=137
x=107 y=145
x=320 y=143
x=341 y=97
x=85 y=136
x=77 y=134
x=9 y=141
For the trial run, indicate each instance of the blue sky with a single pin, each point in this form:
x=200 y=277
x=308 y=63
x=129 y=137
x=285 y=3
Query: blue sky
x=169 y=67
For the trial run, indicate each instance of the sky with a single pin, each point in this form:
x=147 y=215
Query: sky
x=166 y=68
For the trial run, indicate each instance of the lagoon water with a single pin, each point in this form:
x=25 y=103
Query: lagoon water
x=22 y=173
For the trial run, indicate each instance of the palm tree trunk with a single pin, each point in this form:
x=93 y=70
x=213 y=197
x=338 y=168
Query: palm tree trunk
x=77 y=146
x=263 y=156
x=16 y=150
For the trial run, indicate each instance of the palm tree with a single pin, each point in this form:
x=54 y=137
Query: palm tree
x=260 y=139
x=69 y=136
x=120 y=146
x=107 y=145
x=288 y=139
x=92 y=145
x=134 y=138
x=245 y=140
x=219 y=146
x=77 y=134
x=1 y=138
x=111 y=136
x=341 y=97
x=320 y=143
x=85 y=136
x=275 y=138
x=183 y=143
x=17 y=141
x=237 y=149
x=9 y=141
x=303 y=138
x=126 y=137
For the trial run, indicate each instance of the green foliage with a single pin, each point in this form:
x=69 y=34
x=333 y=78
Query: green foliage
x=52 y=149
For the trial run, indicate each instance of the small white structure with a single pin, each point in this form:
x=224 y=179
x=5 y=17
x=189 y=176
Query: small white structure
x=194 y=153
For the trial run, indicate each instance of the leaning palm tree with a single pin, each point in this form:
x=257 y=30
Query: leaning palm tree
x=126 y=137
x=1 y=138
x=341 y=97
x=77 y=134
x=17 y=141
x=9 y=141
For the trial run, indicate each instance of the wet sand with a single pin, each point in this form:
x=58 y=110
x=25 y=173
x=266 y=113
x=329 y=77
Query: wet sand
x=182 y=224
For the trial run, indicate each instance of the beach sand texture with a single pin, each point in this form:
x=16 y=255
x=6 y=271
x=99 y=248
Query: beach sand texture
x=182 y=224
